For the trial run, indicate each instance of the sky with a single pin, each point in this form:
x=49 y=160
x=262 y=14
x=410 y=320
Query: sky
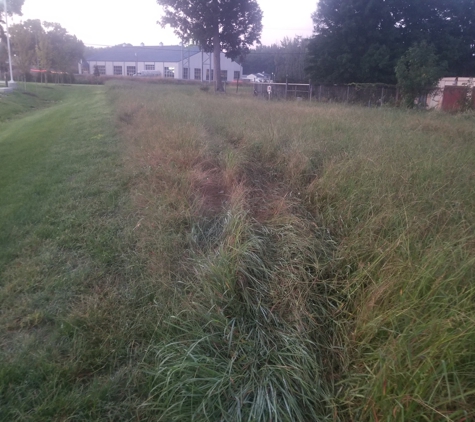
x=110 y=22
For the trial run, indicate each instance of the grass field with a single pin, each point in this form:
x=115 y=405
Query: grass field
x=170 y=254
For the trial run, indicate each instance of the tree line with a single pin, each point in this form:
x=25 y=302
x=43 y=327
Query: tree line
x=283 y=61
x=354 y=41
x=410 y=42
x=44 y=46
x=363 y=40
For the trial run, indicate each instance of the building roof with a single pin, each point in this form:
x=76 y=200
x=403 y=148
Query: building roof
x=169 y=53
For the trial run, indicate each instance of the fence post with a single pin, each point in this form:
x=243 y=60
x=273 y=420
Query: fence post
x=382 y=96
x=286 y=85
x=320 y=93
x=347 y=93
x=309 y=90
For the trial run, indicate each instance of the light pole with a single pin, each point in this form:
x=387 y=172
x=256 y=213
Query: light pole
x=11 y=82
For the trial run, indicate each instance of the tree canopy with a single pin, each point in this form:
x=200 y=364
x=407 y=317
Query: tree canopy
x=24 y=48
x=362 y=40
x=284 y=60
x=13 y=8
x=215 y=25
x=47 y=45
x=418 y=71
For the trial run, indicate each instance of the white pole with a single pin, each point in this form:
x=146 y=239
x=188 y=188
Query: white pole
x=8 y=44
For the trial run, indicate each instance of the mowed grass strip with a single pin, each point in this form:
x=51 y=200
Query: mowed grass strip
x=28 y=97
x=63 y=261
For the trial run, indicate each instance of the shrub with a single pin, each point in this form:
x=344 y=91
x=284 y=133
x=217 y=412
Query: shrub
x=418 y=72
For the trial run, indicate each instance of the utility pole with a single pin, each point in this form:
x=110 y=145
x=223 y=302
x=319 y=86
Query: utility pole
x=11 y=82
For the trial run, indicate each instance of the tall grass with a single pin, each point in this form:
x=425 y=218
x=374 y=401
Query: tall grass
x=242 y=268
x=326 y=258
x=256 y=261
x=404 y=213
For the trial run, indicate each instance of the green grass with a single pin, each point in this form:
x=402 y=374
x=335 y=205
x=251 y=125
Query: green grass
x=27 y=98
x=62 y=237
x=171 y=254
x=407 y=226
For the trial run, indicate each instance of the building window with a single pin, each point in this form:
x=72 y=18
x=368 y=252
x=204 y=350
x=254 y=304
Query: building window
x=169 y=72
x=237 y=75
x=197 y=74
x=102 y=69
x=185 y=73
x=224 y=75
x=207 y=74
x=130 y=70
x=117 y=70
x=150 y=67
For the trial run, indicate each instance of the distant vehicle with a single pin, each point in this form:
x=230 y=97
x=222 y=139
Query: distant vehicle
x=148 y=74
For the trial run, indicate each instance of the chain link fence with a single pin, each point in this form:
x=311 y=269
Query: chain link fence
x=371 y=95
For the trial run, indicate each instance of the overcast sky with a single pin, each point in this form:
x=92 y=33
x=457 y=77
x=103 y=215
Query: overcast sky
x=104 y=22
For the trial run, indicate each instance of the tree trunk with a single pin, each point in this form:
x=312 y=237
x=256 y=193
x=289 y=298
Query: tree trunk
x=217 y=61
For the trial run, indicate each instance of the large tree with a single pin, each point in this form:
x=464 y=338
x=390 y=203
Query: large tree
x=48 y=45
x=13 y=8
x=362 y=40
x=23 y=44
x=230 y=26
x=284 y=61
x=418 y=72
x=67 y=50
x=44 y=53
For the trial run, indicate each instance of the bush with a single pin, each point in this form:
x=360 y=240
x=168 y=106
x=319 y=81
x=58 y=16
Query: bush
x=418 y=72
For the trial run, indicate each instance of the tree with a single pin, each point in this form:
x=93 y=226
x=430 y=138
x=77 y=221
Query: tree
x=260 y=59
x=66 y=49
x=44 y=54
x=3 y=59
x=13 y=8
x=418 y=71
x=23 y=46
x=215 y=25
x=290 y=60
x=362 y=40
x=350 y=40
x=284 y=61
x=46 y=44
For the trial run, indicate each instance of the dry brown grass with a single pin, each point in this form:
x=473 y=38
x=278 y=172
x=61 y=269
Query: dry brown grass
x=342 y=231
x=221 y=215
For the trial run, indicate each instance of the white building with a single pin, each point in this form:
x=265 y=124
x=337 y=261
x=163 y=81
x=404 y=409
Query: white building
x=257 y=77
x=172 y=61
